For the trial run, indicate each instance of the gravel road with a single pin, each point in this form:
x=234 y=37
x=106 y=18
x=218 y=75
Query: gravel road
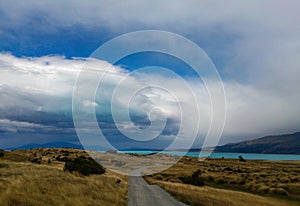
x=142 y=194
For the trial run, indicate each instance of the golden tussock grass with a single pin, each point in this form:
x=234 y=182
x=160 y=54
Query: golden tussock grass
x=25 y=183
x=208 y=196
x=278 y=181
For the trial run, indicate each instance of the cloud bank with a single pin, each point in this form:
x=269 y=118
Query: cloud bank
x=36 y=97
x=255 y=46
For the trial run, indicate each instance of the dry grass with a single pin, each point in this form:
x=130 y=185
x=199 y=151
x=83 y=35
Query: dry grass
x=25 y=183
x=208 y=196
x=228 y=182
x=265 y=179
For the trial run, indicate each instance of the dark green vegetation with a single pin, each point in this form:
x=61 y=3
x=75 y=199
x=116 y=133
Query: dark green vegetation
x=281 y=144
x=72 y=160
x=194 y=179
x=83 y=165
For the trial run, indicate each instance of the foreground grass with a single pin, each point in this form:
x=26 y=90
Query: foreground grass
x=231 y=182
x=45 y=183
x=207 y=196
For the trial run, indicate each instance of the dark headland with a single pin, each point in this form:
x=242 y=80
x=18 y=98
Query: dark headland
x=275 y=144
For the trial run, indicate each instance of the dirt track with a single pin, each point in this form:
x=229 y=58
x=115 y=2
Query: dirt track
x=142 y=194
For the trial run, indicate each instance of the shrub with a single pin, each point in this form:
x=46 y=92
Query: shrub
x=1 y=153
x=64 y=159
x=255 y=187
x=272 y=191
x=294 y=179
x=263 y=175
x=84 y=166
x=278 y=191
x=220 y=181
x=210 y=178
x=159 y=177
x=263 y=189
x=242 y=181
x=233 y=182
x=242 y=159
x=251 y=186
x=285 y=180
x=281 y=191
x=36 y=161
x=286 y=187
x=195 y=179
x=58 y=158
x=65 y=151
x=227 y=169
x=239 y=170
x=273 y=180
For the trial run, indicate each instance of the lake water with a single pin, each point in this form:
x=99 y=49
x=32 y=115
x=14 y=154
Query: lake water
x=249 y=156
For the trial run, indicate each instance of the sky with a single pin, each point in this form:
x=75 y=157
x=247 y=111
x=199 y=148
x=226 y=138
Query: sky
x=45 y=45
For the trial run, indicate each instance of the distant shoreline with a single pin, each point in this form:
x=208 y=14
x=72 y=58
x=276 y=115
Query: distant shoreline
x=226 y=155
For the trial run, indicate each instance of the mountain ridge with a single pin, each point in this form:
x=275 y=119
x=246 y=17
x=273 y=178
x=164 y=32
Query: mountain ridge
x=46 y=145
x=272 y=144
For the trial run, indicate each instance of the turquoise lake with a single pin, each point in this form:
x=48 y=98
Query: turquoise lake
x=249 y=156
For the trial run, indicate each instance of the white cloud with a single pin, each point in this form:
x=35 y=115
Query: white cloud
x=263 y=35
x=262 y=59
x=34 y=85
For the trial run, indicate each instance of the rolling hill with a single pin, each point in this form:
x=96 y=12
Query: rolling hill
x=279 y=144
x=47 y=145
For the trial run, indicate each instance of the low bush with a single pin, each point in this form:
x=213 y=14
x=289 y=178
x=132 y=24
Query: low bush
x=233 y=182
x=84 y=166
x=1 y=153
x=281 y=191
x=36 y=161
x=58 y=158
x=227 y=169
x=195 y=179
x=64 y=159
x=210 y=178
x=251 y=186
x=263 y=175
x=65 y=151
x=159 y=177
x=284 y=180
x=220 y=181
x=242 y=181
x=263 y=189
x=278 y=191
x=295 y=179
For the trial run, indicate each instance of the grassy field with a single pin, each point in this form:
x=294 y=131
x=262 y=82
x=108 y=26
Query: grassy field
x=36 y=177
x=232 y=182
